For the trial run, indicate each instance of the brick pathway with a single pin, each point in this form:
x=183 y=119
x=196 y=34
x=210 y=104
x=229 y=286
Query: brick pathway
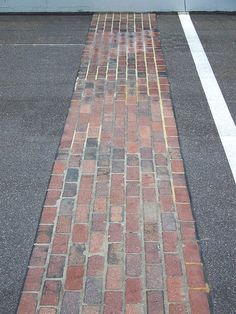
x=117 y=233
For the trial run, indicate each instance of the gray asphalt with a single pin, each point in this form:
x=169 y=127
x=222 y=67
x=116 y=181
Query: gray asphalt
x=36 y=87
x=209 y=177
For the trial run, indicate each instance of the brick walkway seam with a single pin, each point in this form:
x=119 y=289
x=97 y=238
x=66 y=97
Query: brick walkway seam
x=117 y=233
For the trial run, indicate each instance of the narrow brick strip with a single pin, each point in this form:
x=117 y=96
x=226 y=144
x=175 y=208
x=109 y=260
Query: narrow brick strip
x=117 y=233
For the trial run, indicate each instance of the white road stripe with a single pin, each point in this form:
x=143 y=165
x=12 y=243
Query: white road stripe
x=219 y=109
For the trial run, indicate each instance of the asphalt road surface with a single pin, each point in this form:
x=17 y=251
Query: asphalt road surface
x=39 y=60
x=210 y=181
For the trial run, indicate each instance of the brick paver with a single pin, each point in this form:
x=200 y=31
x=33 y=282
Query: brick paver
x=117 y=233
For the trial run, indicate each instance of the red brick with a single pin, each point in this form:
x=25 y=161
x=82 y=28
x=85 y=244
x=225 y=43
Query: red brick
x=39 y=255
x=84 y=197
x=175 y=289
x=179 y=179
x=188 y=231
x=28 y=303
x=149 y=195
x=184 y=212
x=80 y=233
x=133 y=188
x=132 y=148
x=56 y=266
x=191 y=252
x=99 y=222
x=60 y=244
x=133 y=291
x=133 y=243
x=199 y=302
x=134 y=309
x=44 y=234
x=133 y=173
x=115 y=232
x=51 y=292
x=100 y=204
x=114 y=277
x=166 y=202
x=116 y=214
x=153 y=276
x=132 y=223
x=88 y=166
x=74 y=278
x=48 y=215
x=133 y=205
x=113 y=302
x=56 y=182
x=96 y=242
x=82 y=214
x=33 y=279
x=195 y=276
x=151 y=232
x=95 y=265
x=181 y=195
x=148 y=180
x=155 y=302
x=59 y=167
x=86 y=182
x=47 y=310
x=152 y=255
x=177 y=166
x=177 y=309
x=52 y=197
x=173 y=265
x=63 y=224
x=133 y=265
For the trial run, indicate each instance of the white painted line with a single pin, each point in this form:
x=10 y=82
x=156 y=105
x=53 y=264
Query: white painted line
x=219 y=109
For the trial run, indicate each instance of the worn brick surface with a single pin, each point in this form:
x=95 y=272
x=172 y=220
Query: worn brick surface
x=117 y=233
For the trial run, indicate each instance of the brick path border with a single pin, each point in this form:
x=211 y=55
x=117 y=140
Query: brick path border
x=117 y=233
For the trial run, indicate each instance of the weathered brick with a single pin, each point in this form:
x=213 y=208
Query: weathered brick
x=155 y=302
x=95 y=265
x=48 y=215
x=28 y=303
x=152 y=253
x=175 y=289
x=76 y=254
x=115 y=253
x=70 y=302
x=115 y=232
x=60 y=243
x=80 y=233
x=199 y=302
x=44 y=234
x=39 y=255
x=133 y=291
x=66 y=206
x=74 y=278
x=56 y=266
x=114 y=277
x=113 y=302
x=63 y=224
x=133 y=243
x=153 y=276
x=33 y=279
x=51 y=292
x=133 y=265
x=168 y=222
x=93 y=291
